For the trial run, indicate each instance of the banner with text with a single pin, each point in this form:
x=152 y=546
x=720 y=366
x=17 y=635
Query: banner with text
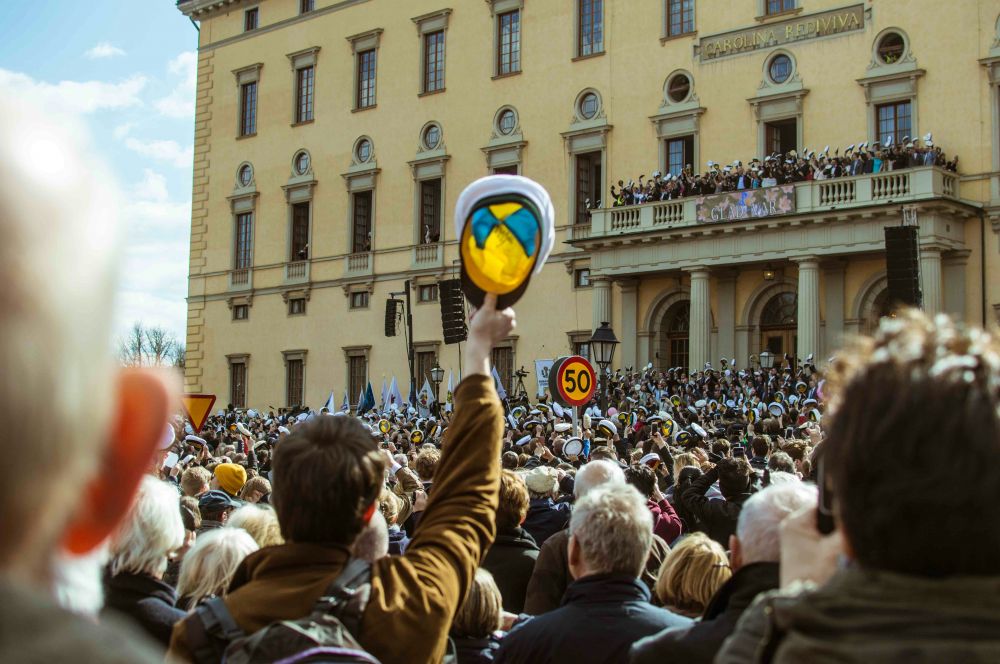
x=542 y=368
x=746 y=204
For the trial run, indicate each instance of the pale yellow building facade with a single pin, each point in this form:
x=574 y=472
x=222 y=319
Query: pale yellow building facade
x=333 y=137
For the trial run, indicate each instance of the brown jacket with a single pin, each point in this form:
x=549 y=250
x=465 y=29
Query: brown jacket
x=551 y=576
x=414 y=596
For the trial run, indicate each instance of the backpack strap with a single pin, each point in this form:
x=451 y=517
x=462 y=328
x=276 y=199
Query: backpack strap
x=347 y=596
x=211 y=630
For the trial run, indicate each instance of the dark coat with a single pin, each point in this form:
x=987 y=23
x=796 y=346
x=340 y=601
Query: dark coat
x=511 y=560
x=601 y=616
x=546 y=518
x=717 y=518
x=476 y=651
x=397 y=542
x=150 y=602
x=701 y=641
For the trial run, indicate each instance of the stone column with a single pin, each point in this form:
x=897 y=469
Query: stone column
x=602 y=301
x=930 y=279
x=629 y=289
x=833 y=297
x=953 y=270
x=701 y=319
x=726 y=315
x=808 y=312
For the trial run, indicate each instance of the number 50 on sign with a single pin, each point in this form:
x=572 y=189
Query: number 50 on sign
x=573 y=380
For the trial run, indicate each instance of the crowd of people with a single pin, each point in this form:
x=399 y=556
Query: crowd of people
x=776 y=169
x=729 y=514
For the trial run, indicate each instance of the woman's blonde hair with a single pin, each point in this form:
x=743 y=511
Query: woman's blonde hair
x=260 y=521
x=481 y=613
x=209 y=566
x=692 y=573
x=683 y=460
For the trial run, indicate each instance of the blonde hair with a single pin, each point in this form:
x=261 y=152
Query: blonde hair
x=211 y=563
x=194 y=480
x=684 y=460
x=260 y=521
x=481 y=613
x=258 y=484
x=692 y=573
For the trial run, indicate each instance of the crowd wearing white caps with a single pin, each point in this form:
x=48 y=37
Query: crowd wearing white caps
x=775 y=169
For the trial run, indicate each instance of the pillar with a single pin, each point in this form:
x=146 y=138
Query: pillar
x=953 y=270
x=808 y=312
x=701 y=320
x=833 y=297
x=601 y=287
x=629 y=290
x=726 y=315
x=930 y=279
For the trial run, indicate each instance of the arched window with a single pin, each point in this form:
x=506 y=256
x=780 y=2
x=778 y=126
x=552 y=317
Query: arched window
x=778 y=325
x=674 y=336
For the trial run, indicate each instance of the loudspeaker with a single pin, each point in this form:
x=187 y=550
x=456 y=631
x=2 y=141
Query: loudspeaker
x=452 y=311
x=902 y=266
x=392 y=307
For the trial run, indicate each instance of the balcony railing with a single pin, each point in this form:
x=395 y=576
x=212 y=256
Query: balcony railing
x=427 y=253
x=360 y=263
x=239 y=279
x=579 y=231
x=297 y=272
x=812 y=197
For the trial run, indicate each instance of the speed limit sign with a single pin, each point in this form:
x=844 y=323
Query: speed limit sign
x=572 y=381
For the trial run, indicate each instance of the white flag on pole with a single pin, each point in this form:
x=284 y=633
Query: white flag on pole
x=395 y=397
x=448 y=404
x=502 y=393
x=331 y=403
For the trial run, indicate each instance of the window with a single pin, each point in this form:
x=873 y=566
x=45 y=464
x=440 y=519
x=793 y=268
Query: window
x=680 y=17
x=591 y=27
x=306 y=6
x=505 y=170
x=241 y=311
x=299 y=250
x=296 y=306
x=248 y=109
x=778 y=6
x=250 y=19
x=509 y=43
x=582 y=348
x=243 y=249
x=424 y=361
x=430 y=211
x=780 y=68
x=357 y=375
x=678 y=88
x=431 y=138
x=588 y=184
x=363 y=151
x=294 y=378
x=781 y=136
x=581 y=278
x=244 y=176
x=507 y=121
x=891 y=47
x=893 y=120
x=427 y=293
x=503 y=362
x=359 y=300
x=304 y=93
x=301 y=163
x=366 y=79
x=434 y=61
x=589 y=105
x=362 y=235
x=675 y=339
x=680 y=153
x=238 y=384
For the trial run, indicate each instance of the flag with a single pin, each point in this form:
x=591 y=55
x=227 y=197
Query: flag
x=425 y=398
x=361 y=400
x=395 y=398
x=502 y=393
x=346 y=406
x=384 y=395
x=367 y=400
x=451 y=390
x=411 y=397
x=331 y=403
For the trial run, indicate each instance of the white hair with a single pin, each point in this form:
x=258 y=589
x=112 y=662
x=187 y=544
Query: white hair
x=595 y=474
x=779 y=477
x=761 y=517
x=260 y=521
x=58 y=250
x=372 y=542
x=209 y=566
x=151 y=531
x=613 y=528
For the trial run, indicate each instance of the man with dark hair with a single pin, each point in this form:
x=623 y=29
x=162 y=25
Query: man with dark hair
x=718 y=517
x=904 y=596
x=666 y=523
x=328 y=474
x=512 y=557
x=761 y=450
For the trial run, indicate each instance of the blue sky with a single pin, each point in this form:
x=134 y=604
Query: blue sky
x=126 y=70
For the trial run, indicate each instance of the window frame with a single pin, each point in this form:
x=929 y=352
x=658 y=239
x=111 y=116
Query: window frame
x=300 y=227
x=357 y=359
x=306 y=6
x=437 y=61
x=292 y=305
x=434 y=215
x=578 y=278
x=238 y=395
x=245 y=308
x=295 y=359
x=363 y=301
x=365 y=89
x=248 y=109
x=432 y=24
x=594 y=9
x=784 y=7
x=354 y=244
x=512 y=42
x=305 y=94
x=251 y=15
x=897 y=131
x=243 y=240
x=685 y=7
x=686 y=143
x=432 y=289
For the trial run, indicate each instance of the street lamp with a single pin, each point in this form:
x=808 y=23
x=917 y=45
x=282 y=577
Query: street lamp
x=437 y=375
x=602 y=345
x=766 y=360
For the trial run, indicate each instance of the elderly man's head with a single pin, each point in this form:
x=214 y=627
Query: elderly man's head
x=611 y=531
x=757 y=538
x=78 y=436
x=595 y=474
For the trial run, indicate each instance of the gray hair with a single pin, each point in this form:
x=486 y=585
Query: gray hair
x=372 y=543
x=596 y=473
x=211 y=563
x=613 y=528
x=761 y=517
x=151 y=531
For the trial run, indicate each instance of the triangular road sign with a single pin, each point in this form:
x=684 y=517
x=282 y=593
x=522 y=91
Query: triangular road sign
x=198 y=407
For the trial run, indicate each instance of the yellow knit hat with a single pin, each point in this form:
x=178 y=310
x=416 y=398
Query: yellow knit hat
x=231 y=476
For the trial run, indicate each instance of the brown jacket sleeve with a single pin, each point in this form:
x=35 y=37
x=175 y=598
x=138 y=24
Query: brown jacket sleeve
x=406 y=484
x=415 y=596
x=550 y=578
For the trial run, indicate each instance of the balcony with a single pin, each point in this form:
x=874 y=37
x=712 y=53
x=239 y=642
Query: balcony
x=297 y=272
x=720 y=212
x=359 y=264
x=428 y=255
x=240 y=280
x=579 y=232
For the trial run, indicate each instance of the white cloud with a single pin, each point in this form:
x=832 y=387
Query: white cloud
x=180 y=102
x=123 y=130
x=153 y=187
x=104 y=50
x=74 y=97
x=168 y=151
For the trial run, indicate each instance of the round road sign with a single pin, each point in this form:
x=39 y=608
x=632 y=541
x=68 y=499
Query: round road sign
x=574 y=381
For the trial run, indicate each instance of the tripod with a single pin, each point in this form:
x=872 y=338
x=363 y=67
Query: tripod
x=519 y=395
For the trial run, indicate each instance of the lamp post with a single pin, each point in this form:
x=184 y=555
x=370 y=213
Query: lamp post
x=766 y=360
x=437 y=375
x=602 y=345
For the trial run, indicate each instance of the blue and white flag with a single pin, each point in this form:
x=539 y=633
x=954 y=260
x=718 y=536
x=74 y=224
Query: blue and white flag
x=501 y=392
x=331 y=403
